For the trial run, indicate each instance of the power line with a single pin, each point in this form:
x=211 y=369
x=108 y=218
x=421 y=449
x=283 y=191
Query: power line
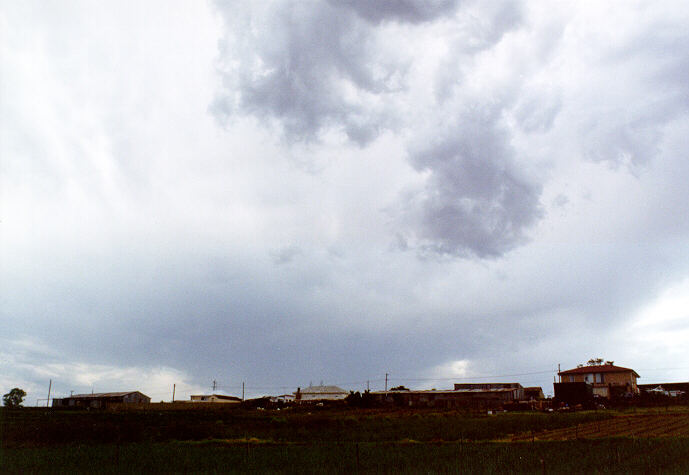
x=390 y=377
x=662 y=369
x=475 y=377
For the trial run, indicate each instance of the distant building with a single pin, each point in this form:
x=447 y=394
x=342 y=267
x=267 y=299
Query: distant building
x=320 y=393
x=516 y=388
x=533 y=393
x=101 y=400
x=222 y=398
x=471 y=395
x=606 y=380
x=284 y=398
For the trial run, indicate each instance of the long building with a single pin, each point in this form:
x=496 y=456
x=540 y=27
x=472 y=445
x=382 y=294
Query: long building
x=470 y=395
x=101 y=400
x=220 y=398
x=320 y=393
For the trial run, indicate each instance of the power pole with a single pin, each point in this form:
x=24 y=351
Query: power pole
x=50 y=386
x=558 y=372
x=173 y=391
x=242 y=390
x=367 y=386
x=215 y=384
x=386 y=382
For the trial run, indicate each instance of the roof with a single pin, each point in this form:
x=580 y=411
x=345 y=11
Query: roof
x=449 y=391
x=489 y=390
x=219 y=396
x=323 y=390
x=604 y=368
x=99 y=395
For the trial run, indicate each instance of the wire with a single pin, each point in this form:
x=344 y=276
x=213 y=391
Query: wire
x=473 y=377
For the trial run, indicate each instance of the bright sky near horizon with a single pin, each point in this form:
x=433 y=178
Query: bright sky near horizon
x=286 y=192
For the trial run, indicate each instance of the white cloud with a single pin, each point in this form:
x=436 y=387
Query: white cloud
x=28 y=365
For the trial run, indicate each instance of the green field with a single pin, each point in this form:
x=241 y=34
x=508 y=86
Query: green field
x=319 y=441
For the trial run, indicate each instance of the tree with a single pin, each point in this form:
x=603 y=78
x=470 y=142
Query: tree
x=594 y=362
x=357 y=399
x=13 y=398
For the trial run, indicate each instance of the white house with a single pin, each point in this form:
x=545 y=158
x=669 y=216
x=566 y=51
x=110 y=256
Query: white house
x=320 y=393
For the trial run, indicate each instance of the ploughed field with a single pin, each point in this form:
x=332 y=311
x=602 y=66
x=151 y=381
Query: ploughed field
x=635 y=425
x=326 y=440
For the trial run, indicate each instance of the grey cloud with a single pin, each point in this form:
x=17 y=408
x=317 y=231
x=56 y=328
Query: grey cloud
x=410 y=11
x=561 y=201
x=311 y=67
x=477 y=31
x=495 y=19
x=286 y=254
x=537 y=109
x=476 y=201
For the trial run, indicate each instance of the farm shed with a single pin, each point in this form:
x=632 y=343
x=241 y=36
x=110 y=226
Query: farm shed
x=606 y=380
x=320 y=393
x=101 y=400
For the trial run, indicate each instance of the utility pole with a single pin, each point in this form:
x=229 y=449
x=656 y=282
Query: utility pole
x=215 y=384
x=367 y=386
x=242 y=390
x=558 y=373
x=50 y=386
x=174 y=386
x=386 y=382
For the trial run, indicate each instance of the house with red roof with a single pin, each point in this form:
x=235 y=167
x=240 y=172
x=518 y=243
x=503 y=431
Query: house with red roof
x=606 y=379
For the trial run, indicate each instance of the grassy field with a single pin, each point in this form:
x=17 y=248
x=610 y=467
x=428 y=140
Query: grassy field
x=332 y=441
x=601 y=456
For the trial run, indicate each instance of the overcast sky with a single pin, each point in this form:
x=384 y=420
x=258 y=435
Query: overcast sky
x=286 y=192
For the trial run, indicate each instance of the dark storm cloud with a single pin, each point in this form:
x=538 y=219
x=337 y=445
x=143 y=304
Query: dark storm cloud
x=411 y=11
x=476 y=201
